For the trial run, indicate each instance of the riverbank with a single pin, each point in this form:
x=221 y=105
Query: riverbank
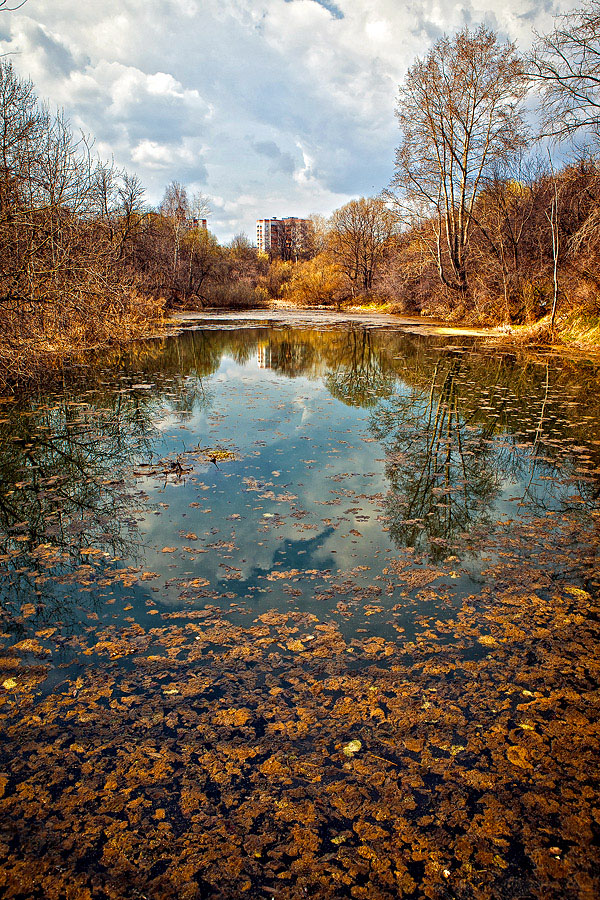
x=39 y=357
x=574 y=331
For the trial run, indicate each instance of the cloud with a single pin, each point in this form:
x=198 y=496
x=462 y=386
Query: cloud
x=288 y=102
x=58 y=59
x=326 y=4
x=179 y=162
x=280 y=161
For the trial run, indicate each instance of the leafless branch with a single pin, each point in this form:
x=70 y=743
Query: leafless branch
x=565 y=65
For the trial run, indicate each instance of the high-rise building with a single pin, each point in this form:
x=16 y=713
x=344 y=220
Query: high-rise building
x=287 y=238
x=267 y=235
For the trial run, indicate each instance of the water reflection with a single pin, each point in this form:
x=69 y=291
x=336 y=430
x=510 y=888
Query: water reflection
x=444 y=473
x=67 y=512
x=361 y=374
x=382 y=441
x=470 y=429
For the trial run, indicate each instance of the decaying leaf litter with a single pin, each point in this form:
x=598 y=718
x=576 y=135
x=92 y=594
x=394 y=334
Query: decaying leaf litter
x=353 y=655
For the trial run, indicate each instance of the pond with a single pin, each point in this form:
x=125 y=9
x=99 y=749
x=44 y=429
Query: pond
x=294 y=612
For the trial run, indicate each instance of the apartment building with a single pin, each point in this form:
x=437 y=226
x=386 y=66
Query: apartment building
x=264 y=356
x=267 y=235
x=288 y=238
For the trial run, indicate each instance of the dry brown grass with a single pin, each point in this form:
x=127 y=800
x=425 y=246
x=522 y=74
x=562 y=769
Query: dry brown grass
x=36 y=344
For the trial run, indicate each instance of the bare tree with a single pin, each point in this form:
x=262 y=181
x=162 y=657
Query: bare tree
x=130 y=209
x=202 y=252
x=317 y=235
x=175 y=208
x=459 y=112
x=199 y=207
x=565 y=65
x=359 y=236
x=120 y=206
x=583 y=240
x=503 y=212
x=553 y=221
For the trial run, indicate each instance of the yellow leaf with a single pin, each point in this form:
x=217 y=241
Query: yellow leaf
x=487 y=640
x=577 y=592
x=351 y=748
x=233 y=716
x=518 y=756
x=297 y=646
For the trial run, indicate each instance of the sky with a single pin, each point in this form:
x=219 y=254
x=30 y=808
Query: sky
x=266 y=107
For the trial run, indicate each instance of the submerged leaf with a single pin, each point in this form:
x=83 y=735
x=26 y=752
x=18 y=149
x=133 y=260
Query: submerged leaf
x=351 y=748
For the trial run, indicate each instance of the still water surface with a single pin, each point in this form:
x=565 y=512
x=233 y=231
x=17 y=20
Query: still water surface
x=277 y=468
x=354 y=501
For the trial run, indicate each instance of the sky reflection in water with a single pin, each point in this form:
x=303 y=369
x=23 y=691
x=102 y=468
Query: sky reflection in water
x=365 y=466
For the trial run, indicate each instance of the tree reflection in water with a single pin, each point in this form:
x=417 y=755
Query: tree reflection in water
x=439 y=485
x=359 y=375
x=67 y=512
x=462 y=433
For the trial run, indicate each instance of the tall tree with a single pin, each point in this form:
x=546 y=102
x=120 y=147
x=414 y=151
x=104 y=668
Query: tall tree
x=565 y=65
x=459 y=113
x=360 y=233
x=175 y=208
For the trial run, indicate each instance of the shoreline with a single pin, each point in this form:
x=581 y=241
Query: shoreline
x=518 y=339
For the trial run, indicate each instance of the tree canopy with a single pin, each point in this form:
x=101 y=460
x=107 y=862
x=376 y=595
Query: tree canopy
x=459 y=113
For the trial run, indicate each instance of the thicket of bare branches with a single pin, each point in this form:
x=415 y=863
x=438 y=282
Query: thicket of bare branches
x=67 y=228
x=565 y=65
x=511 y=249
x=176 y=259
x=83 y=261
x=360 y=234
